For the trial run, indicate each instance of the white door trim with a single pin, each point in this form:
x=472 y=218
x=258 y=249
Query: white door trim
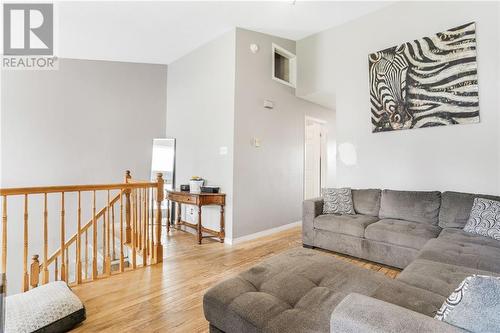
x=323 y=152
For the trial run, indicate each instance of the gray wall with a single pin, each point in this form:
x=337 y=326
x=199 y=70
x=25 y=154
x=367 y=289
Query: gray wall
x=82 y=124
x=461 y=157
x=215 y=97
x=268 y=181
x=200 y=116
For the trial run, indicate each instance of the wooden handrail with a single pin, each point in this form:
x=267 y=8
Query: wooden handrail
x=75 y=188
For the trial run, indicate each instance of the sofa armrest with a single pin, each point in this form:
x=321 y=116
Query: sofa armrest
x=359 y=313
x=310 y=209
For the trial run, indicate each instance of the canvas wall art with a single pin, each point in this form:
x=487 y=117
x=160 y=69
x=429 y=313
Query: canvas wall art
x=427 y=82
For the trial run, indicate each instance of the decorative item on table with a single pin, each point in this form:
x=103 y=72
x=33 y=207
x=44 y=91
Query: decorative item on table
x=195 y=184
x=185 y=188
x=210 y=189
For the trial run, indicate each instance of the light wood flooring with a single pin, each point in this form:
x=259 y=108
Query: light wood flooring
x=168 y=297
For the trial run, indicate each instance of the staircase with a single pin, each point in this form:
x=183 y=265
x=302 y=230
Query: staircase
x=124 y=234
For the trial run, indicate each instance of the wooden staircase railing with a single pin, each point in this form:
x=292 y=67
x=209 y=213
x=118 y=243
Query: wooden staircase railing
x=137 y=206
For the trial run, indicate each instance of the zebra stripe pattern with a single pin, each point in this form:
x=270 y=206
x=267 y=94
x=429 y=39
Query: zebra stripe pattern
x=427 y=82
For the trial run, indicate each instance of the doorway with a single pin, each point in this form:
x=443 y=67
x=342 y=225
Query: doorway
x=314 y=157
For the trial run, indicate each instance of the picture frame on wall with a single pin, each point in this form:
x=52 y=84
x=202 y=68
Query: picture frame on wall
x=426 y=82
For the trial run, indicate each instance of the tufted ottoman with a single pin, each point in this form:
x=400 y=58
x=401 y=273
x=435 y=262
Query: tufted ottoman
x=292 y=292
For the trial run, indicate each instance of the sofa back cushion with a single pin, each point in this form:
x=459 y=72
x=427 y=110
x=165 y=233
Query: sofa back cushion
x=366 y=202
x=415 y=206
x=456 y=207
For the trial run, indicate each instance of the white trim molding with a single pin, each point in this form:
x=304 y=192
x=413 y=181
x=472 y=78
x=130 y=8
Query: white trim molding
x=263 y=233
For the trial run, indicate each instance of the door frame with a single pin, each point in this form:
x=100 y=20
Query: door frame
x=323 y=153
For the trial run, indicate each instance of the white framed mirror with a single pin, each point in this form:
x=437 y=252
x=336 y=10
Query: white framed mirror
x=163 y=160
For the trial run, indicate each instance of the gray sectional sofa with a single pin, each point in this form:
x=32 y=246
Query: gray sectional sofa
x=307 y=291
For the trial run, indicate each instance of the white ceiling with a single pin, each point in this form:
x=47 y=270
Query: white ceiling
x=161 y=32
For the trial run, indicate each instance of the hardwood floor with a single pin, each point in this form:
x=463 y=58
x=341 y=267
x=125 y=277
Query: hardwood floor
x=168 y=297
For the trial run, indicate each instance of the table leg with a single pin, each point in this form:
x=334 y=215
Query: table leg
x=199 y=224
x=178 y=215
x=168 y=216
x=222 y=232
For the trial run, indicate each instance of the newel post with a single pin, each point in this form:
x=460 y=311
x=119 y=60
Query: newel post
x=128 y=235
x=158 y=247
x=34 y=271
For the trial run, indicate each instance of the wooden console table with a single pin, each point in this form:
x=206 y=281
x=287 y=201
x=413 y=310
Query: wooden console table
x=200 y=200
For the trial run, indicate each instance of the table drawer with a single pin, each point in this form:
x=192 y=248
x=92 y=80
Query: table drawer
x=185 y=198
x=213 y=200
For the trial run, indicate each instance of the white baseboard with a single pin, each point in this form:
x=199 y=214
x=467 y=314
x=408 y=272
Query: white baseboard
x=262 y=233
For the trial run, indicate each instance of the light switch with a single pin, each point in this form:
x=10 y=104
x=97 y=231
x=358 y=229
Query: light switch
x=256 y=142
x=223 y=150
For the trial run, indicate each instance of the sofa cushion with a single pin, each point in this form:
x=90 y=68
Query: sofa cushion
x=360 y=313
x=295 y=291
x=403 y=233
x=437 y=277
x=410 y=297
x=337 y=201
x=476 y=256
x=484 y=218
x=411 y=206
x=366 y=202
x=456 y=207
x=461 y=236
x=474 y=305
x=353 y=225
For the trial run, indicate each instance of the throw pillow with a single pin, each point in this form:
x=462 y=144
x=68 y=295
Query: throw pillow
x=474 y=305
x=337 y=201
x=484 y=218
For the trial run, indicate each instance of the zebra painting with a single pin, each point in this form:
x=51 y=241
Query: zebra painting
x=427 y=82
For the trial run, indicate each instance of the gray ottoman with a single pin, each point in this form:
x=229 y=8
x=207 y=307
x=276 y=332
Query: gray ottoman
x=296 y=291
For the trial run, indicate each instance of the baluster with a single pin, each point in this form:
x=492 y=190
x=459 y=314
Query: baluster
x=4 y=244
x=104 y=264
x=113 y=230
x=86 y=254
x=94 y=239
x=67 y=264
x=144 y=229
x=45 y=240
x=78 y=267
x=136 y=218
x=127 y=209
x=63 y=232
x=34 y=271
x=134 y=229
x=106 y=248
x=151 y=240
x=56 y=269
x=25 y=256
x=139 y=219
x=159 y=198
x=122 y=266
